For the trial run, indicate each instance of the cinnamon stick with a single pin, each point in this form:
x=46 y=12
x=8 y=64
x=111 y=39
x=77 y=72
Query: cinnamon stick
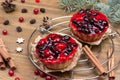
x=111 y=64
x=4 y=53
x=2 y=64
x=95 y=61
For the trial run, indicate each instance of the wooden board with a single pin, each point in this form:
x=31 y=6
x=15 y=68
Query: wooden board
x=25 y=69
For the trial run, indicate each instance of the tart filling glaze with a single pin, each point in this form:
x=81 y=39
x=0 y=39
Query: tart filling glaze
x=56 y=51
x=89 y=25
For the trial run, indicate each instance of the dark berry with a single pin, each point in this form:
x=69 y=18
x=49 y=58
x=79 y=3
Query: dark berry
x=32 y=21
x=81 y=11
x=42 y=74
x=101 y=27
x=66 y=37
x=96 y=30
x=36 y=72
x=88 y=12
x=6 y=22
x=69 y=49
x=11 y=73
x=86 y=19
x=42 y=10
x=24 y=10
x=105 y=23
x=18 y=29
x=48 y=77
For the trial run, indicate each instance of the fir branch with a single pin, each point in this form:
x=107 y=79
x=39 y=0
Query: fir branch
x=73 y=5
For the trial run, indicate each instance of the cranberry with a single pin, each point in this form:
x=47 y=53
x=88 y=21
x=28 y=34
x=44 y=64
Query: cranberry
x=36 y=72
x=48 y=77
x=54 y=78
x=60 y=46
x=22 y=1
x=37 y=1
x=35 y=11
x=47 y=52
x=11 y=73
x=4 y=32
x=42 y=74
x=17 y=78
x=21 y=19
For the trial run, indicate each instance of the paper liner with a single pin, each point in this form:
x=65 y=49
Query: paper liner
x=44 y=68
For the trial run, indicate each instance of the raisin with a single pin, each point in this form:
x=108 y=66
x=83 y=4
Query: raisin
x=32 y=21
x=19 y=29
x=6 y=22
x=24 y=10
x=42 y=10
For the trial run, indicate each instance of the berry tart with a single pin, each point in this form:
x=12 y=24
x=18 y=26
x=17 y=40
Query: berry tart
x=89 y=25
x=57 y=51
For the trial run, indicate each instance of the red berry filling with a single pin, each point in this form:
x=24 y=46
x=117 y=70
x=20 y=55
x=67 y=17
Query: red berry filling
x=89 y=22
x=56 y=48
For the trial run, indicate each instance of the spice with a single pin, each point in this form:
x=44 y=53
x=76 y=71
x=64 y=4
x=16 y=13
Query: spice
x=93 y=58
x=2 y=64
x=4 y=53
x=111 y=64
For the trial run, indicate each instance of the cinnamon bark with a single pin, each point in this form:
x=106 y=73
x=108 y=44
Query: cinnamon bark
x=95 y=61
x=4 y=53
x=111 y=64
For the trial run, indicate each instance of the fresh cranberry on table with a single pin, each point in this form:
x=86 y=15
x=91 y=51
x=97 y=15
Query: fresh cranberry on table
x=37 y=1
x=42 y=74
x=36 y=11
x=17 y=78
x=4 y=32
x=22 y=1
x=36 y=72
x=11 y=73
x=21 y=19
x=48 y=77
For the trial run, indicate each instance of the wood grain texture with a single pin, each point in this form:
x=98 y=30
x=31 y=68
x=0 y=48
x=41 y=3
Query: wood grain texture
x=24 y=67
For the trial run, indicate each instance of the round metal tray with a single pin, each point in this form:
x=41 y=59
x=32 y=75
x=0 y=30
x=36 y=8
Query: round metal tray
x=84 y=70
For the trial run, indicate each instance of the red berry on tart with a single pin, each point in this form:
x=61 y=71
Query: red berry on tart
x=89 y=25
x=56 y=51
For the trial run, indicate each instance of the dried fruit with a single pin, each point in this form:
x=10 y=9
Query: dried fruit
x=42 y=10
x=32 y=21
x=6 y=22
x=18 y=29
x=24 y=10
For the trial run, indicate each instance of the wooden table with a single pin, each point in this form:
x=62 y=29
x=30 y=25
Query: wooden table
x=25 y=69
